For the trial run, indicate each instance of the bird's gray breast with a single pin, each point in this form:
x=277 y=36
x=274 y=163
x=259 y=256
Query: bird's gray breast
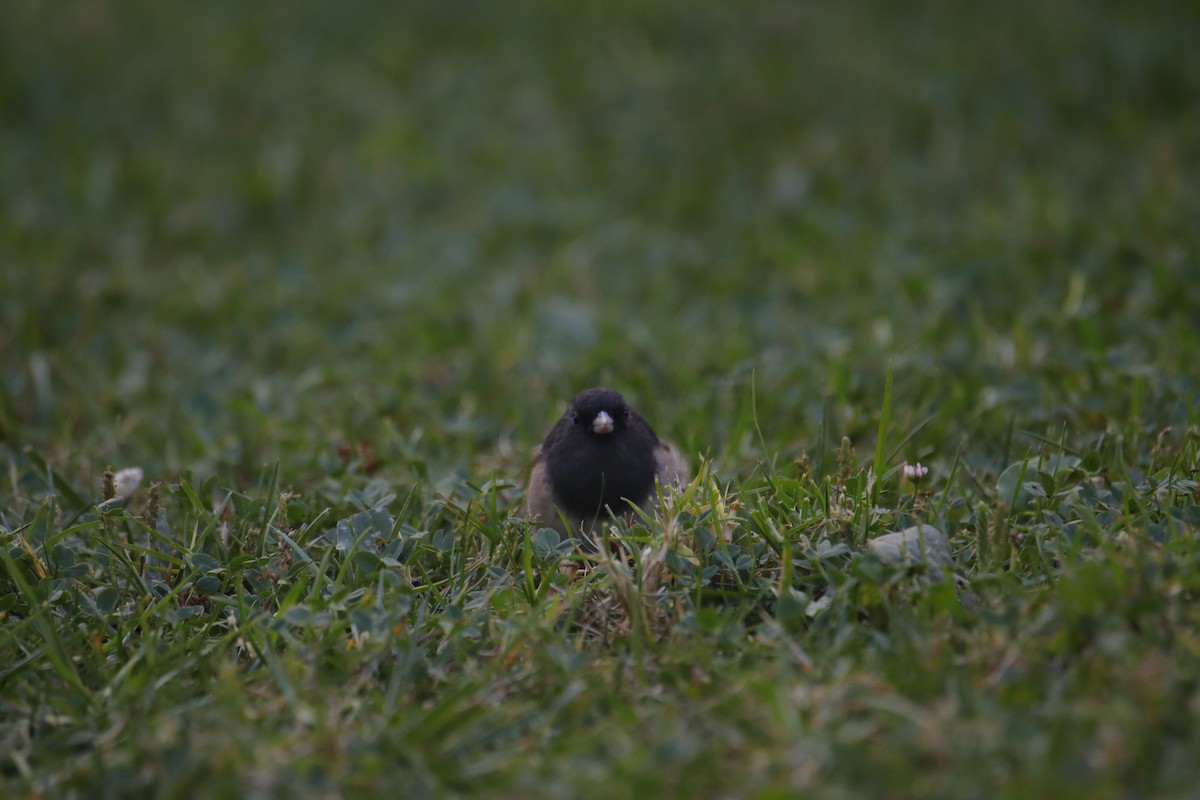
x=603 y=473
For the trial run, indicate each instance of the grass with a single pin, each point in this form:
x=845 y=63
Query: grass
x=327 y=275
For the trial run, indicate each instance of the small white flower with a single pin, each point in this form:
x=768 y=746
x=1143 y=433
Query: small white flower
x=914 y=472
x=127 y=481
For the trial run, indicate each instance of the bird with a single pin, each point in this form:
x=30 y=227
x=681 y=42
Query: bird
x=599 y=457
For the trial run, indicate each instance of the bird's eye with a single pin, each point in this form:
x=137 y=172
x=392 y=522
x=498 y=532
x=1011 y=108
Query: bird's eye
x=575 y=417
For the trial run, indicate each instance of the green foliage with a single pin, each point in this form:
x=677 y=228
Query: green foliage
x=328 y=273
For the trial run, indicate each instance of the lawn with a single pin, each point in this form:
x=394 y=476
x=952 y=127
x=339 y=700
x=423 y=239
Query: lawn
x=327 y=274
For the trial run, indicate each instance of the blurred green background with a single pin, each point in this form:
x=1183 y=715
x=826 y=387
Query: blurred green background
x=235 y=234
x=300 y=259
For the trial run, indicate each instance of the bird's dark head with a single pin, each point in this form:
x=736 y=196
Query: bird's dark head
x=599 y=411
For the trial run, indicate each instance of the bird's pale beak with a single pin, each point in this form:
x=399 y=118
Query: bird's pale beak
x=603 y=423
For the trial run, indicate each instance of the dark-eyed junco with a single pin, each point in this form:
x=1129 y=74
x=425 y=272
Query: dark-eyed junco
x=599 y=457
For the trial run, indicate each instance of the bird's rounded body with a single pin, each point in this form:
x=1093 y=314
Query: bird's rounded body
x=599 y=458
